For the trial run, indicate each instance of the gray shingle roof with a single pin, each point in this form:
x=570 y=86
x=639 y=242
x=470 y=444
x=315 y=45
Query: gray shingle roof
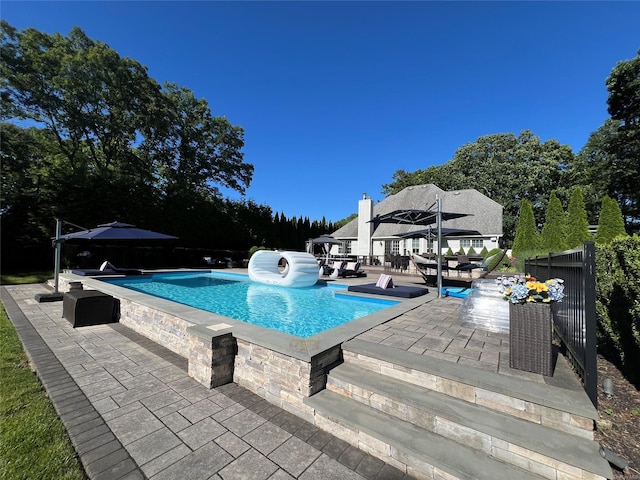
x=485 y=214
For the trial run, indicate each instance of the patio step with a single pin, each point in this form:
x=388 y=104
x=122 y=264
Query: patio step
x=439 y=419
x=420 y=453
x=559 y=404
x=533 y=447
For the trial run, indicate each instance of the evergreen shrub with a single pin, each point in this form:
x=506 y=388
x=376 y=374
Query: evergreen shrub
x=618 y=304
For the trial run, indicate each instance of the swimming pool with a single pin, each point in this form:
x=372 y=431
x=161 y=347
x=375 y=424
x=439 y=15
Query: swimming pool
x=302 y=312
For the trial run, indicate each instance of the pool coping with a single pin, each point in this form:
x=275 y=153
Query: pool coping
x=304 y=349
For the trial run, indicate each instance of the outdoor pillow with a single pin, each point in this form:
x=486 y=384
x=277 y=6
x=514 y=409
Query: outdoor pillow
x=385 y=281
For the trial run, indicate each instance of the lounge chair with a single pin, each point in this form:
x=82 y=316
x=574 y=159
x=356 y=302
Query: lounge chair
x=214 y=262
x=333 y=269
x=422 y=266
x=107 y=268
x=351 y=269
x=465 y=265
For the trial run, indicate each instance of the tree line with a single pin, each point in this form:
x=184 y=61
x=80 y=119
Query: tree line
x=88 y=136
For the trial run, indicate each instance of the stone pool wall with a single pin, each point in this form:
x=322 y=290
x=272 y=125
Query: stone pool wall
x=282 y=380
x=165 y=329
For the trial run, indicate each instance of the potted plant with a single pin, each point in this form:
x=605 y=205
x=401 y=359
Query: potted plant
x=530 y=324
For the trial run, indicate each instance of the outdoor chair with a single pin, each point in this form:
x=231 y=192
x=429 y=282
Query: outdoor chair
x=333 y=269
x=351 y=269
x=465 y=265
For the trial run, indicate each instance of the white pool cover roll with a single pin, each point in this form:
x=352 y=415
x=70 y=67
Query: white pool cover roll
x=301 y=269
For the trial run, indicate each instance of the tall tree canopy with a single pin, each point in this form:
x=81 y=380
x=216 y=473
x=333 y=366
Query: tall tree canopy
x=624 y=145
x=88 y=135
x=504 y=167
x=592 y=169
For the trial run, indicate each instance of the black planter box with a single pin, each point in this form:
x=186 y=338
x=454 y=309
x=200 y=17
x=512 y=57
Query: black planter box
x=88 y=307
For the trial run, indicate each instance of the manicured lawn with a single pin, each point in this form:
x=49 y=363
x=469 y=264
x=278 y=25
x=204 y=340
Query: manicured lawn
x=33 y=441
x=14 y=278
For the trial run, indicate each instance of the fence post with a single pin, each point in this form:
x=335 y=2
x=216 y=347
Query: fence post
x=591 y=322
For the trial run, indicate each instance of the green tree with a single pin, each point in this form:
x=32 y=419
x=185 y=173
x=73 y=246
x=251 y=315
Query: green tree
x=592 y=170
x=527 y=241
x=554 y=229
x=403 y=179
x=623 y=104
x=504 y=167
x=107 y=142
x=610 y=223
x=577 y=224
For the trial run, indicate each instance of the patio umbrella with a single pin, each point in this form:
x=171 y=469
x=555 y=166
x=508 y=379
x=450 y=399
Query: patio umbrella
x=421 y=217
x=414 y=217
x=104 y=232
x=117 y=231
x=326 y=241
x=431 y=233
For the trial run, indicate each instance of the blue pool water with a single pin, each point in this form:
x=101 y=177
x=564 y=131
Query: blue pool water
x=302 y=312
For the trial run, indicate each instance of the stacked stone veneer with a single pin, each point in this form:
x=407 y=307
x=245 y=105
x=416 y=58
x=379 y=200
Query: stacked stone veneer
x=491 y=445
x=281 y=379
x=161 y=327
x=527 y=410
x=211 y=359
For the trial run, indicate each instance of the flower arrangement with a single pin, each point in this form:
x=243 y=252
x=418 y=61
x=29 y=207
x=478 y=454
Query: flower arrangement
x=524 y=289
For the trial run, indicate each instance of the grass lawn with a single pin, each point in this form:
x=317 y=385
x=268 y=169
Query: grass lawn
x=33 y=441
x=13 y=278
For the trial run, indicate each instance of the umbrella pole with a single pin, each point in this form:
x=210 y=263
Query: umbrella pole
x=58 y=254
x=55 y=296
x=439 y=226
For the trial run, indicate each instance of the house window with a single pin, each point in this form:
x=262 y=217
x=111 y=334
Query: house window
x=346 y=247
x=415 y=245
x=477 y=243
x=395 y=247
x=465 y=242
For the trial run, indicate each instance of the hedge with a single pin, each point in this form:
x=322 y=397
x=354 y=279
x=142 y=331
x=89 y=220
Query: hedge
x=618 y=304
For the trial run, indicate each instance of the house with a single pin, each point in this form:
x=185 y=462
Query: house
x=361 y=239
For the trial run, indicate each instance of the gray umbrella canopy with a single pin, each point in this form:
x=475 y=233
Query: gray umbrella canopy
x=117 y=231
x=326 y=241
x=414 y=217
x=114 y=231
x=432 y=233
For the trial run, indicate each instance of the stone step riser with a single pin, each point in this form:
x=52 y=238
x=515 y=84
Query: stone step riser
x=420 y=453
x=416 y=467
x=490 y=445
x=519 y=408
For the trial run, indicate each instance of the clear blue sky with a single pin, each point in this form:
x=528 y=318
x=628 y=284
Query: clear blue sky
x=335 y=97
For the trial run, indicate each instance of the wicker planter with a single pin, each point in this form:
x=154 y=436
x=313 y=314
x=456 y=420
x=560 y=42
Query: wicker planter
x=530 y=346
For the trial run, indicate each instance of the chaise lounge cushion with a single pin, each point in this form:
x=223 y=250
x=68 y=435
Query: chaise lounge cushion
x=397 y=291
x=96 y=273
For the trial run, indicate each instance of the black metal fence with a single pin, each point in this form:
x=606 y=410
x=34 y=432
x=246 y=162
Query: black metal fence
x=574 y=318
